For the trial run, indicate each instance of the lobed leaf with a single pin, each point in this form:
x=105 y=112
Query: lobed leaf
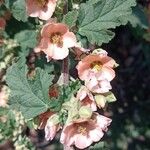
x=19 y=10
x=96 y=17
x=26 y=39
x=70 y=18
x=28 y=96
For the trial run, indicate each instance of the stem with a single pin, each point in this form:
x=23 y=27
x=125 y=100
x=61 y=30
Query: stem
x=65 y=10
x=65 y=70
x=65 y=65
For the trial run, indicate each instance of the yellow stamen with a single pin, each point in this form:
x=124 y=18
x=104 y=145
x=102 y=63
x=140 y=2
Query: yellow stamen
x=56 y=39
x=42 y=3
x=82 y=130
x=96 y=65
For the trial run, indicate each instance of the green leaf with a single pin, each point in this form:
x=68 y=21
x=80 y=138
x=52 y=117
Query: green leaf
x=139 y=18
x=65 y=94
x=70 y=18
x=28 y=96
x=26 y=39
x=3 y=111
x=9 y=3
x=97 y=16
x=19 y=10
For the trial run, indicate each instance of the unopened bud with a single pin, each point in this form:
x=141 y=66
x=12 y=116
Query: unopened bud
x=99 y=51
x=100 y=101
x=85 y=112
x=54 y=119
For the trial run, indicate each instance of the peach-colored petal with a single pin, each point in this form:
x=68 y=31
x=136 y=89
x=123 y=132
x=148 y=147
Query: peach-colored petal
x=86 y=98
x=96 y=135
x=48 y=12
x=69 y=39
x=32 y=8
x=59 y=53
x=109 y=62
x=82 y=93
x=82 y=133
x=50 y=131
x=68 y=135
x=52 y=40
x=43 y=45
x=82 y=141
x=43 y=12
x=50 y=28
x=101 y=86
x=108 y=73
x=49 y=50
x=91 y=83
x=84 y=67
x=103 y=122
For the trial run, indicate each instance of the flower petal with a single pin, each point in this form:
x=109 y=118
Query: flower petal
x=59 y=53
x=69 y=39
x=108 y=73
x=82 y=141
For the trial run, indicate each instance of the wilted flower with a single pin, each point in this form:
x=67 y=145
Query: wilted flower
x=86 y=98
x=43 y=9
x=53 y=91
x=56 y=40
x=82 y=133
x=42 y=119
x=52 y=126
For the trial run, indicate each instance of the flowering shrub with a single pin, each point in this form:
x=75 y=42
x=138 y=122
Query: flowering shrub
x=57 y=73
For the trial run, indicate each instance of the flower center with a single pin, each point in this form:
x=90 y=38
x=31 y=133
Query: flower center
x=56 y=38
x=42 y=3
x=82 y=130
x=96 y=66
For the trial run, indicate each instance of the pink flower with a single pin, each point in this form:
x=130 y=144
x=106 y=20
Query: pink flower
x=86 y=98
x=51 y=130
x=2 y=23
x=98 y=86
x=99 y=66
x=47 y=122
x=97 y=71
x=82 y=133
x=42 y=119
x=43 y=9
x=56 y=40
x=52 y=126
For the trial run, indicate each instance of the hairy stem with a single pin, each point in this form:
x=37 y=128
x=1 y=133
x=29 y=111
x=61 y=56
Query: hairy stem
x=65 y=65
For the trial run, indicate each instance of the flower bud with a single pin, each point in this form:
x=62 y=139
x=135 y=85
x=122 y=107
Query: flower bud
x=54 y=119
x=100 y=101
x=85 y=112
x=99 y=51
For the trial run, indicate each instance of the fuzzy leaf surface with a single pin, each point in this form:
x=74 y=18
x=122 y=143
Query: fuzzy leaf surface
x=30 y=96
x=70 y=18
x=26 y=39
x=19 y=10
x=96 y=17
